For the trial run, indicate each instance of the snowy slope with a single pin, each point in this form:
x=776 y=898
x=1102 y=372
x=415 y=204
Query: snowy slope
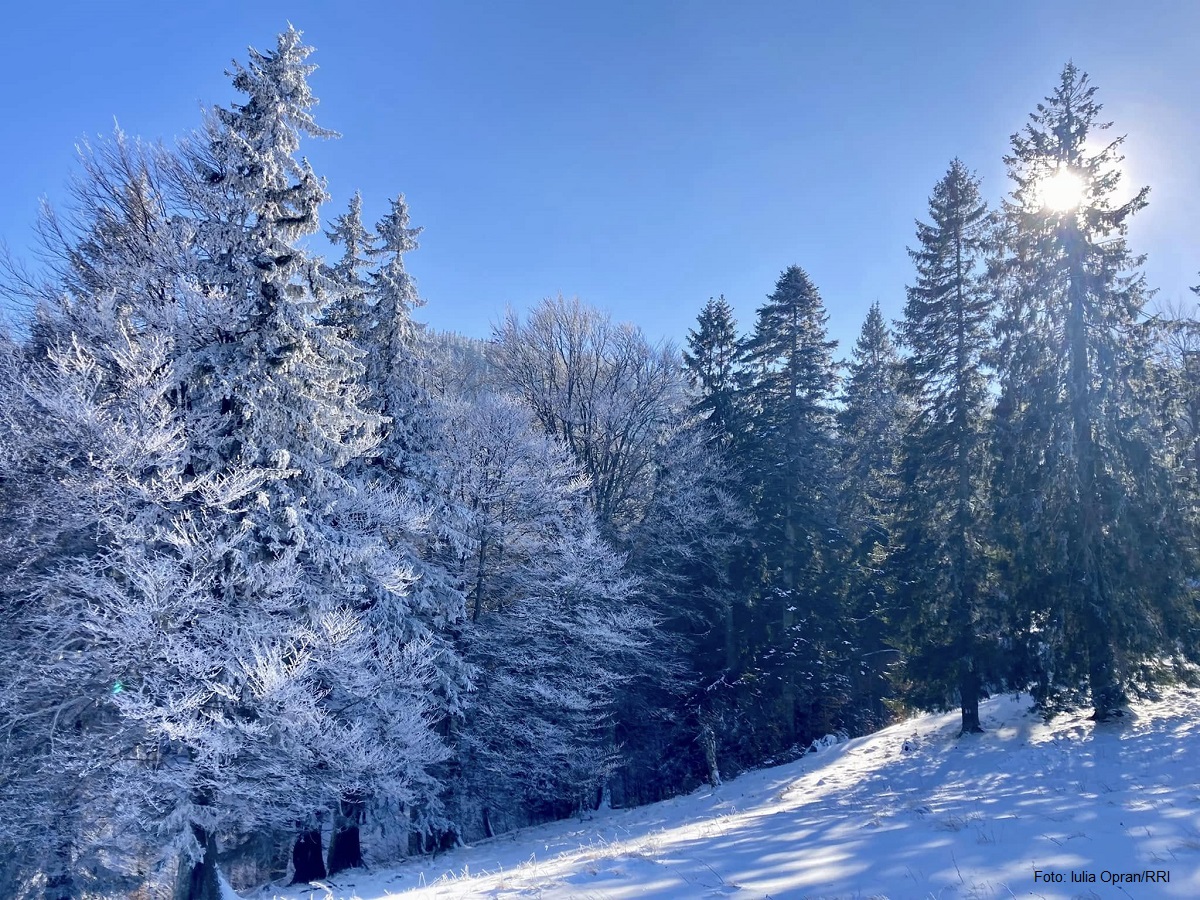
x=946 y=818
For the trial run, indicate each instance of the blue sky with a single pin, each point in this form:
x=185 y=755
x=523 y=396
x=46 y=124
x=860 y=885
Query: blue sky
x=642 y=155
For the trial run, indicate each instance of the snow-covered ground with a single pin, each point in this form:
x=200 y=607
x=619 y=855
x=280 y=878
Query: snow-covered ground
x=908 y=812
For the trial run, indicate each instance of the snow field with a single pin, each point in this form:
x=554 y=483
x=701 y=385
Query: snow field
x=970 y=818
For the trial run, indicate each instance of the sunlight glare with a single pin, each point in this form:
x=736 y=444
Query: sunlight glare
x=1061 y=191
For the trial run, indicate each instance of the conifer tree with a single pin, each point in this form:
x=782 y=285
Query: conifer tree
x=943 y=567
x=266 y=385
x=404 y=465
x=713 y=362
x=795 y=497
x=1176 y=378
x=870 y=425
x=396 y=358
x=1097 y=558
x=352 y=309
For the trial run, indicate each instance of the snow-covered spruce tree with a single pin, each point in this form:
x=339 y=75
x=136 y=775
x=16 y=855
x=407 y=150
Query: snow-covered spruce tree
x=374 y=313
x=794 y=477
x=264 y=386
x=404 y=464
x=869 y=428
x=1096 y=555
x=352 y=314
x=396 y=358
x=715 y=366
x=870 y=424
x=553 y=627
x=351 y=310
x=941 y=568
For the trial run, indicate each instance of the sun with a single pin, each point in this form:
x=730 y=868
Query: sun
x=1061 y=190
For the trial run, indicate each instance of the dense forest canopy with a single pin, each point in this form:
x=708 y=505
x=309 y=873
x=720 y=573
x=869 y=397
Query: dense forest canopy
x=291 y=582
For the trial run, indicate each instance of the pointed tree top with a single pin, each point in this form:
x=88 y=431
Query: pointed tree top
x=276 y=84
x=394 y=231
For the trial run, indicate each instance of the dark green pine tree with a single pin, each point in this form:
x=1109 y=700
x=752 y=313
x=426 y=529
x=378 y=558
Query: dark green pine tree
x=869 y=428
x=713 y=360
x=870 y=425
x=1176 y=368
x=793 y=469
x=1097 y=551
x=942 y=565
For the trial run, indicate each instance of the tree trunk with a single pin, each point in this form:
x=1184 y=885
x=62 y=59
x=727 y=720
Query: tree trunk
x=198 y=880
x=1095 y=602
x=1107 y=695
x=708 y=740
x=786 y=642
x=307 y=857
x=59 y=887
x=345 y=843
x=966 y=602
x=968 y=689
x=731 y=645
x=60 y=878
x=488 y=831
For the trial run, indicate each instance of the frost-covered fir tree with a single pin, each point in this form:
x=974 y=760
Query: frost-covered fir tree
x=267 y=388
x=352 y=309
x=870 y=424
x=393 y=381
x=941 y=566
x=396 y=359
x=1096 y=558
x=794 y=472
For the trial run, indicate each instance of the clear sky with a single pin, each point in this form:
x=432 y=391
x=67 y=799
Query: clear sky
x=642 y=155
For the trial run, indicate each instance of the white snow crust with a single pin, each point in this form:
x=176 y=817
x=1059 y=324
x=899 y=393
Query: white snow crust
x=968 y=818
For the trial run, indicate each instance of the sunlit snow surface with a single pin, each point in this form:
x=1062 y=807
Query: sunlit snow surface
x=950 y=818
